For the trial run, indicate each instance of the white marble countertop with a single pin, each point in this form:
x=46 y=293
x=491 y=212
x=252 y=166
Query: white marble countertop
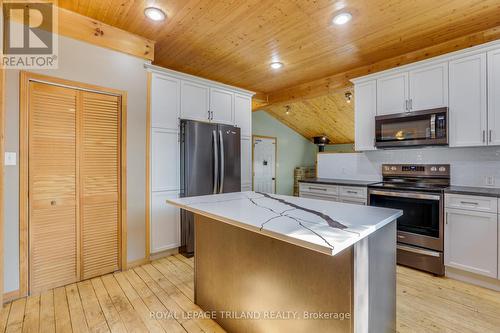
x=324 y=226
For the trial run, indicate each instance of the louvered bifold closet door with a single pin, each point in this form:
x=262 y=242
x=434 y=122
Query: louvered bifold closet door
x=100 y=183
x=53 y=197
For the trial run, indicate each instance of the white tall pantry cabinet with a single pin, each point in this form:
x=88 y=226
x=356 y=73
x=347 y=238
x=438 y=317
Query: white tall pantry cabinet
x=175 y=96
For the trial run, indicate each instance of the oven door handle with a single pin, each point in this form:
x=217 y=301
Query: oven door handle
x=418 y=250
x=407 y=195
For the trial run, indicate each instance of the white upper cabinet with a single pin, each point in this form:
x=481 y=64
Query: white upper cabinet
x=494 y=97
x=429 y=87
x=392 y=94
x=419 y=89
x=468 y=110
x=164 y=160
x=221 y=106
x=165 y=106
x=195 y=101
x=243 y=114
x=365 y=101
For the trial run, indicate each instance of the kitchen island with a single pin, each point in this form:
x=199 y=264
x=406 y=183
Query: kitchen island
x=272 y=263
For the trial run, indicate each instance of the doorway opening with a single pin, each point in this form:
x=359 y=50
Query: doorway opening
x=264 y=163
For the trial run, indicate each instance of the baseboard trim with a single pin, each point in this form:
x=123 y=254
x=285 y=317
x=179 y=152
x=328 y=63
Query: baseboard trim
x=139 y=262
x=11 y=296
x=162 y=254
x=475 y=279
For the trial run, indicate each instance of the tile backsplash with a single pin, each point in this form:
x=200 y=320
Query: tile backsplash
x=475 y=166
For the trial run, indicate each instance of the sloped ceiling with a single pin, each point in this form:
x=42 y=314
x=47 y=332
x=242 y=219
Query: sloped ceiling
x=328 y=115
x=233 y=41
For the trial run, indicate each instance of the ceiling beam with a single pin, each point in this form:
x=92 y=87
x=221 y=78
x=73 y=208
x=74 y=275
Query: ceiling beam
x=259 y=100
x=86 y=29
x=333 y=83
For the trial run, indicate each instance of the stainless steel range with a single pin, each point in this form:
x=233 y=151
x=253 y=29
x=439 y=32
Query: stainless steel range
x=418 y=190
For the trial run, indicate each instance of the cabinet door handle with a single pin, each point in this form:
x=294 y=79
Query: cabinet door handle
x=469 y=203
x=317 y=189
x=208 y=114
x=491 y=131
x=411 y=103
x=484 y=136
x=406 y=105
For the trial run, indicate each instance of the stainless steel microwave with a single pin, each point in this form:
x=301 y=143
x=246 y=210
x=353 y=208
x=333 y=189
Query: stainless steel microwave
x=417 y=128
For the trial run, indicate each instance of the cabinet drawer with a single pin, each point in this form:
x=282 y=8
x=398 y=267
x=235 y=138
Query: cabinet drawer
x=319 y=189
x=319 y=196
x=353 y=201
x=471 y=202
x=353 y=192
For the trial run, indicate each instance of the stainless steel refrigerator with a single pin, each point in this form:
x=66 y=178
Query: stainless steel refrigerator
x=210 y=164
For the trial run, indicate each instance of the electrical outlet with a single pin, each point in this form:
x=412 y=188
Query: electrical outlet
x=490 y=180
x=10 y=159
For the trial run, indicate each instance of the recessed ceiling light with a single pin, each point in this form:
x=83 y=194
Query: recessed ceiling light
x=342 y=18
x=276 y=65
x=155 y=14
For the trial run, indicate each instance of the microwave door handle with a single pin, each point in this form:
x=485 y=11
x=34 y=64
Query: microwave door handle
x=433 y=126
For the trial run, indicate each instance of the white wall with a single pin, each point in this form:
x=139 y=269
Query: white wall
x=82 y=62
x=469 y=166
x=347 y=166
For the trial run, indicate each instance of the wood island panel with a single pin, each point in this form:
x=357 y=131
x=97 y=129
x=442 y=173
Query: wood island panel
x=242 y=271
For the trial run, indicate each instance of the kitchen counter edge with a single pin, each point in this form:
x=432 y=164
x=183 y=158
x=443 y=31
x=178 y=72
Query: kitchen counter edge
x=332 y=181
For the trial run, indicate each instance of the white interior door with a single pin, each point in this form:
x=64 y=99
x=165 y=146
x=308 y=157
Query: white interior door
x=264 y=164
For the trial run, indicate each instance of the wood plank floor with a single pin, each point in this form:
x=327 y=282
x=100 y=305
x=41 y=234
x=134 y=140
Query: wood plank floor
x=123 y=302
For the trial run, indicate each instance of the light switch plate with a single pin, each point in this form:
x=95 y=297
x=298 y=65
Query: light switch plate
x=10 y=158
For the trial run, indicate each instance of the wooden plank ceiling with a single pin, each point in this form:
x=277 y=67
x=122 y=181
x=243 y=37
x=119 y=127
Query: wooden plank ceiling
x=328 y=115
x=234 y=41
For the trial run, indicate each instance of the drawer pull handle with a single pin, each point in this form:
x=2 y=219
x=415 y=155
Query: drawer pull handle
x=469 y=203
x=317 y=189
x=352 y=192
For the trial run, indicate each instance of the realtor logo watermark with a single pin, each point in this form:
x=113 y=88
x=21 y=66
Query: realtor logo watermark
x=29 y=35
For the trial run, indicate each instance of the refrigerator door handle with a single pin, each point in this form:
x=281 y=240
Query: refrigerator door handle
x=221 y=162
x=216 y=162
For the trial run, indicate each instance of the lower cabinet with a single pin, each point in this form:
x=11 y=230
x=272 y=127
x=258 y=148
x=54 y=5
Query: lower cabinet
x=347 y=194
x=354 y=201
x=165 y=222
x=246 y=187
x=471 y=241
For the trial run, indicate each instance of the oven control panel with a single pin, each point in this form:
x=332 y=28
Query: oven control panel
x=416 y=170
